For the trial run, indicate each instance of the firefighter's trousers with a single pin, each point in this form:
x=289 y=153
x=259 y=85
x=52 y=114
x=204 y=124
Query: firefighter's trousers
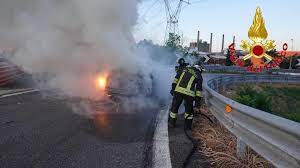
x=178 y=98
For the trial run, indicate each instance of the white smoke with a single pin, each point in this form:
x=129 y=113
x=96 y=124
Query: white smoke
x=72 y=40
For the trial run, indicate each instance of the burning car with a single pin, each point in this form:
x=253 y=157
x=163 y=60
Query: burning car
x=120 y=83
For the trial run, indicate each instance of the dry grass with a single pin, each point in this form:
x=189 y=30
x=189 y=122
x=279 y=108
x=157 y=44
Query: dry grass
x=219 y=145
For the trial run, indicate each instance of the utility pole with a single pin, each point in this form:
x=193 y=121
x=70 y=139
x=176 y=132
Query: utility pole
x=291 y=58
x=233 y=41
x=198 y=42
x=223 y=38
x=211 y=41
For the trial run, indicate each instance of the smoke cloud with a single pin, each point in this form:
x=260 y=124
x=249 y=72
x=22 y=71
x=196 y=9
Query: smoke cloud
x=70 y=41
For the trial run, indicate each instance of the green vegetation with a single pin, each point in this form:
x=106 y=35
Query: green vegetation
x=228 y=61
x=279 y=100
x=174 y=42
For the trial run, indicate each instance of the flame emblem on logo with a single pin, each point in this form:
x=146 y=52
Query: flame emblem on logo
x=258 y=46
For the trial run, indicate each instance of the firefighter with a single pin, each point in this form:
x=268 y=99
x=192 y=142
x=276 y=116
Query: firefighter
x=182 y=65
x=186 y=87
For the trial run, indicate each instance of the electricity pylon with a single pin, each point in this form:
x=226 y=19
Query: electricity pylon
x=173 y=17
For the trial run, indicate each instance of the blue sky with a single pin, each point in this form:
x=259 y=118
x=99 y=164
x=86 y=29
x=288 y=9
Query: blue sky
x=230 y=17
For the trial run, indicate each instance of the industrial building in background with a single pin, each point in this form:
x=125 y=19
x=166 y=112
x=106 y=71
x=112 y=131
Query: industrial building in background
x=203 y=46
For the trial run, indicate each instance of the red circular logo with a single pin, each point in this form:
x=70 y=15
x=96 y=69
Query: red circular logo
x=258 y=50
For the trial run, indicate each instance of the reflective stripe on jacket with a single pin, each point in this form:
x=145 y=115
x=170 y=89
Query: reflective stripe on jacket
x=189 y=82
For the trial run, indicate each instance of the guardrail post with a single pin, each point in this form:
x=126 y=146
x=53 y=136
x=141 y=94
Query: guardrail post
x=241 y=148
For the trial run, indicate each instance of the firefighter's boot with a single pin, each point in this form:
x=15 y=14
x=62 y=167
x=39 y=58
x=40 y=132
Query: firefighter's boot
x=172 y=120
x=188 y=122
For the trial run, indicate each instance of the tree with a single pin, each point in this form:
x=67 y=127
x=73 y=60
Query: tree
x=173 y=42
x=228 y=61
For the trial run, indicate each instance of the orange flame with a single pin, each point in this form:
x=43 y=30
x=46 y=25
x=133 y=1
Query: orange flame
x=102 y=81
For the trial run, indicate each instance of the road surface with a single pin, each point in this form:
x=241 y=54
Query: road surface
x=39 y=131
x=42 y=131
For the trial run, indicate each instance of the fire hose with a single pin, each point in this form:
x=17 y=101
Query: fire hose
x=194 y=141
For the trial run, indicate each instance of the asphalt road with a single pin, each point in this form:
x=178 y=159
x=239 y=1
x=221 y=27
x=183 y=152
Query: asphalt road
x=39 y=131
x=43 y=131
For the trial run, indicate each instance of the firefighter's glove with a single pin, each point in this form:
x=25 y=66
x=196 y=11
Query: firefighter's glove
x=173 y=88
x=172 y=92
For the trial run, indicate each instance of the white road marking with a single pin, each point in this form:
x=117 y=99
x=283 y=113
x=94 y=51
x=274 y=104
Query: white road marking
x=161 y=148
x=19 y=93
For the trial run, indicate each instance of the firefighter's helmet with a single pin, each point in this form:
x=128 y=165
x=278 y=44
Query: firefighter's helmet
x=181 y=61
x=199 y=67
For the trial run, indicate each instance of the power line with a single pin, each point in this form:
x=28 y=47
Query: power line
x=173 y=9
x=148 y=10
x=155 y=15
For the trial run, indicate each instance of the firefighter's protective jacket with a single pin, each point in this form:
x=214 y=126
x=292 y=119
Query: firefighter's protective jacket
x=188 y=82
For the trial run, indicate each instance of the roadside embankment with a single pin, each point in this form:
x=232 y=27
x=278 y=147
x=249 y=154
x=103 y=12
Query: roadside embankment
x=219 y=145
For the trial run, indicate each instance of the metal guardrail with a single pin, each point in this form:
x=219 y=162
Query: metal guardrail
x=220 y=68
x=237 y=69
x=276 y=139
